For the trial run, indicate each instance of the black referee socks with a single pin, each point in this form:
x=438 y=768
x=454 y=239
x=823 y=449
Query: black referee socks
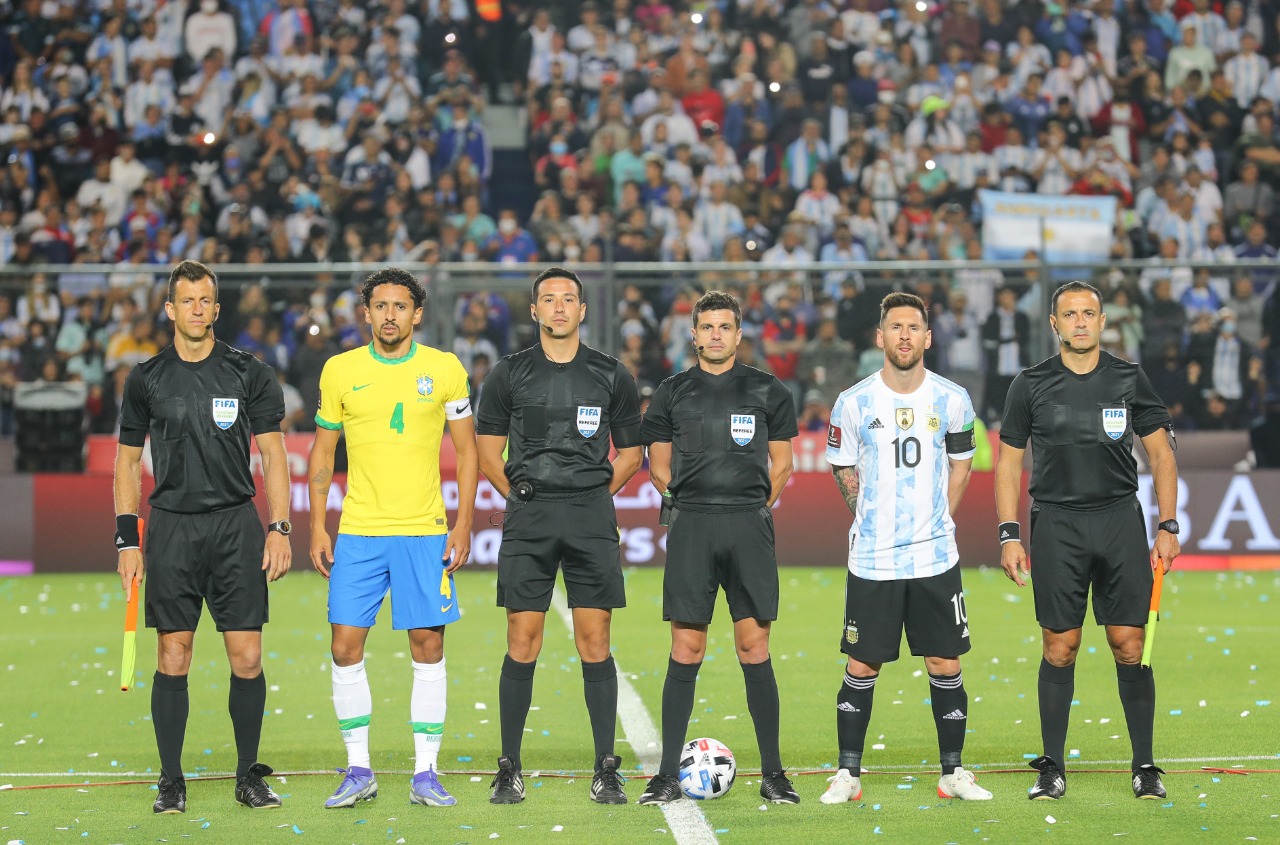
x=245 y=701
x=600 y=687
x=762 y=701
x=1057 y=687
x=1138 y=698
x=950 y=716
x=515 y=693
x=169 y=707
x=677 y=707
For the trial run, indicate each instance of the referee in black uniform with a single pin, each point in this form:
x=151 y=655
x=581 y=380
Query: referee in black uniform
x=719 y=437
x=559 y=402
x=1080 y=410
x=200 y=401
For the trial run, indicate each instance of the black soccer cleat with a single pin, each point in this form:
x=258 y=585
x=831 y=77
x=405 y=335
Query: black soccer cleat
x=1052 y=782
x=606 y=785
x=252 y=791
x=1147 y=783
x=172 y=797
x=508 y=784
x=775 y=787
x=662 y=789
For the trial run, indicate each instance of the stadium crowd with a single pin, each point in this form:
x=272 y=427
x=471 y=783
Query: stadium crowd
x=785 y=132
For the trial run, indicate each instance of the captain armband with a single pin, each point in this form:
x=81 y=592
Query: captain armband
x=959 y=442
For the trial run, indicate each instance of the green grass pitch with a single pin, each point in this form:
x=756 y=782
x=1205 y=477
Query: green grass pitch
x=63 y=720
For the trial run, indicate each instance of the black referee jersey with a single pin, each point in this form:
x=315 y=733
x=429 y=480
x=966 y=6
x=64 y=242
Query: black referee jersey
x=200 y=416
x=720 y=426
x=1081 y=429
x=558 y=418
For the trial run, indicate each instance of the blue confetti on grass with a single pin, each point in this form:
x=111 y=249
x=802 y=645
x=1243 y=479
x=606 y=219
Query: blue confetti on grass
x=100 y=650
x=203 y=826
x=875 y=806
x=362 y=821
x=905 y=785
x=1230 y=632
x=464 y=759
x=297 y=829
x=1175 y=712
x=1030 y=756
x=1266 y=702
x=722 y=830
x=877 y=830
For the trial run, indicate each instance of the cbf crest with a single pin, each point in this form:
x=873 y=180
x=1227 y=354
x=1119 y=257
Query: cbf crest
x=225 y=412
x=425 y=385
x=588 y=420
x=906 y=418
x=742 y=427
x=1115 y=421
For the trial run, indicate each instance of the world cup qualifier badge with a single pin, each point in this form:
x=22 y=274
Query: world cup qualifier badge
x=425 y=385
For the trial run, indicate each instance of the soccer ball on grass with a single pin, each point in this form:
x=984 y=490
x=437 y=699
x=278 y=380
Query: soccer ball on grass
x=707 y=769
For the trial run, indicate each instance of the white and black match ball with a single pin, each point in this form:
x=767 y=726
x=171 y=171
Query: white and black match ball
x=707 y=769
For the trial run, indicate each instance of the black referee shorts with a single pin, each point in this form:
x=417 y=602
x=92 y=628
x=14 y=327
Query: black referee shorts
x=541 y=535
x=1072 y=550
x=214 y=558
x=707 y=551
x=930 y=609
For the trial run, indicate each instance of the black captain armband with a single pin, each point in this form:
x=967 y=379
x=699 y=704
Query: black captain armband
x=127 y=532
x=959 y=442
x=1010 y=532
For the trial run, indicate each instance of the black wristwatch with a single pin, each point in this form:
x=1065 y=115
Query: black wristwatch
x=285 y=527
x=1170 y=526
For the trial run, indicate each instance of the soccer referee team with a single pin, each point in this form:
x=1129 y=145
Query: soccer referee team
x=718 y=440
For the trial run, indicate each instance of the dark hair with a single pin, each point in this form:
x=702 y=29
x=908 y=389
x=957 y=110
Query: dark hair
x=718 y=300
x=393 y=276
x=191 y=271
x=1070 y=287
x=902 y=299
x=558 y=273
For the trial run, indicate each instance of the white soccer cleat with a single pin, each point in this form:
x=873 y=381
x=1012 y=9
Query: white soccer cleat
x=844 y=787
x=961 y=784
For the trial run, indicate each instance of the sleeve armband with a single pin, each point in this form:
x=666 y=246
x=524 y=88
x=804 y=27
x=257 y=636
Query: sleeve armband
x=959 y=442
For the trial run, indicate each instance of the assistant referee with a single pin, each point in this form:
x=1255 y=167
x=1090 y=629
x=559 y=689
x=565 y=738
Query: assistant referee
x=719 y=437
x=1080 y=410
x=200 y=401
x=560 y=402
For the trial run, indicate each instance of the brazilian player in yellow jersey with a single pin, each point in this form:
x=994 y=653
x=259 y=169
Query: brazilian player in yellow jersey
x=393 y=399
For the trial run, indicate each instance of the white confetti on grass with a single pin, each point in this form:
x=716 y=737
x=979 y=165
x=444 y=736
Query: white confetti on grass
x=1050 y=819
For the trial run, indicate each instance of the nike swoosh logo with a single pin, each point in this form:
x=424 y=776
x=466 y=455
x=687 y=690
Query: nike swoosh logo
x=445 y=608
x=360 y=386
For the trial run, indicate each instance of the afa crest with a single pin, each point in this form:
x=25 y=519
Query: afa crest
x=851 y=633
x=906 y=418
x=933 y=422
x=425 y=384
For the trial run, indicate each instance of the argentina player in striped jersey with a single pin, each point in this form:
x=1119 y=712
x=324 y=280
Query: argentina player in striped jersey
x=900 y=446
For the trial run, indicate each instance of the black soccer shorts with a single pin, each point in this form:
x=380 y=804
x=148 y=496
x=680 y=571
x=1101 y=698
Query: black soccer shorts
x=213 y=558
x=707 y=551
x=930 y=609
x=1106 y=549
x=542 y=536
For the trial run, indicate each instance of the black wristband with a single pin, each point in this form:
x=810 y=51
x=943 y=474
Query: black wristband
x=127 y=532
x=1010 y=532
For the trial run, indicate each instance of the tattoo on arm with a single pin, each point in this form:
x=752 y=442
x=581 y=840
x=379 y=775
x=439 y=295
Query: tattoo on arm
x=322 y=477
x=847 y=483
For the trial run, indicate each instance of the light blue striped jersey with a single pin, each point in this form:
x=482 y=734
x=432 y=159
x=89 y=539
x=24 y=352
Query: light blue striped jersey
x=900 y=444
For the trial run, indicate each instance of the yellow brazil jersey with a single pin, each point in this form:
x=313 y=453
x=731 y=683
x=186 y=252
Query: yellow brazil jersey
x=394 y=413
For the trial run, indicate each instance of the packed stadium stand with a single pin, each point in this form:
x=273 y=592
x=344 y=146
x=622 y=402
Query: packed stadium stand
x=808 y=155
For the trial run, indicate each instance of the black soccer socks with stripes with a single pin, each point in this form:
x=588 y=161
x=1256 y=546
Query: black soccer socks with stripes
x=1138 y=698
x=950 y=715
x=245 y=703
x=677 y=707
x=169 y=707
x=515 y=693
x=762 y=702
x=853 y=715
x=600 y=688
x=1057 y=686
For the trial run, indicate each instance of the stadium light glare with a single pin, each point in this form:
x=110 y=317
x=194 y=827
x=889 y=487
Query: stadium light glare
x=696 y=18
x=774 y=87
x=450 y=38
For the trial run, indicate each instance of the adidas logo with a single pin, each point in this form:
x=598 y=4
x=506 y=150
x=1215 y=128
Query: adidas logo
x=876 y=423
x=1004 y=535
x=847 y=707
x=955 y=715
x=965 y=632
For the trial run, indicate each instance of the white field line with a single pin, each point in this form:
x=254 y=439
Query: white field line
x=684 y=818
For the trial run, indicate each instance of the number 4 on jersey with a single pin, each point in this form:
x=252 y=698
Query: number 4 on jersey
x=397 y=418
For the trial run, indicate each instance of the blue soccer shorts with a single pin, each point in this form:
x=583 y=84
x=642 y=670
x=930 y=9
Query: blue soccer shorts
x=364 y=568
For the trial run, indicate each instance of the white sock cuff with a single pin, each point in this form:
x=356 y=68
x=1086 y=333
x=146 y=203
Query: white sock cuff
x=353 y=674
x=428 y=671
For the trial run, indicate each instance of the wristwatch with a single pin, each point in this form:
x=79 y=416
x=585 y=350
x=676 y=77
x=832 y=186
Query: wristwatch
x=285 y=527
x=1170 y=526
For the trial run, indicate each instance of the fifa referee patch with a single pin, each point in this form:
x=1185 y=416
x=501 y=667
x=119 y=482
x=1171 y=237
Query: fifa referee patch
x=833 y=436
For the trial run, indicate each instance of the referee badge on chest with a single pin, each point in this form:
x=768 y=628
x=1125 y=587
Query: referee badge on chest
x=588 y=420
x=225 y=412
x=1115 y=421
x=742 y=427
